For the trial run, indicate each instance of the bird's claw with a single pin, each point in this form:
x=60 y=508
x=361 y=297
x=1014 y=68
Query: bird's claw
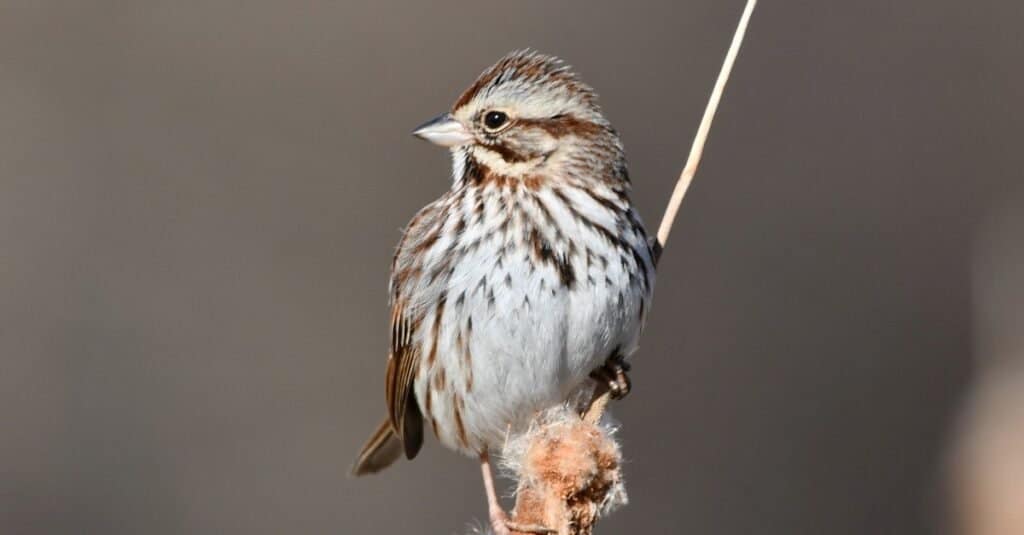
x=613 y=374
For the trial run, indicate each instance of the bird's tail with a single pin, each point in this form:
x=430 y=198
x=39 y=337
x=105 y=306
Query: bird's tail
x=383 y=448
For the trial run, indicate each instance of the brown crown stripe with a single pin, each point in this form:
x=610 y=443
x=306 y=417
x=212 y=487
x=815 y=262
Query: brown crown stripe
x=486 y=78
x=524 y=67
x=509 y=154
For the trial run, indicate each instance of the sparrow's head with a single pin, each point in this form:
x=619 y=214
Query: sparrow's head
x=527 y=115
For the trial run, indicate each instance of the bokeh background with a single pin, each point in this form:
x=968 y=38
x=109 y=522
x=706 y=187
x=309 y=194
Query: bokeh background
x=198 y=203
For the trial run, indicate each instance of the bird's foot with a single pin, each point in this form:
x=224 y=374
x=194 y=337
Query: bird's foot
x=613 y=374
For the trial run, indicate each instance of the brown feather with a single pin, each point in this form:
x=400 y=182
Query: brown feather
x=403 y=410
x=526 y=66
x=382 y=449
x=405 y=355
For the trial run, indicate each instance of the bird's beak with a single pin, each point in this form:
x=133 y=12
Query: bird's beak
x=444 y=130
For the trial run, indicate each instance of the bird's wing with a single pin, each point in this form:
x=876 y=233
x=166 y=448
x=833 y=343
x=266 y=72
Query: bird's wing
x=403 y=361
x=406 y=319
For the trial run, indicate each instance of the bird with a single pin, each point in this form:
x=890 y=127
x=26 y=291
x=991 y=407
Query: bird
x=526 y=283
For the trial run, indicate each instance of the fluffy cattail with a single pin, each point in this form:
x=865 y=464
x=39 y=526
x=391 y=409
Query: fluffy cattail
x=568 y=471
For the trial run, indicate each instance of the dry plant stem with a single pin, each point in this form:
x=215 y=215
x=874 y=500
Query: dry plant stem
x=697 y=149
x=602 y=395
x=600 y=401
x=533 y=505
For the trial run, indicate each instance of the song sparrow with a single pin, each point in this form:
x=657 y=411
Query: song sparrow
x=530 y=275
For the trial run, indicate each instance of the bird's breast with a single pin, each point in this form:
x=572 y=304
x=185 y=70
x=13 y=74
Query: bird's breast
x=540 y=287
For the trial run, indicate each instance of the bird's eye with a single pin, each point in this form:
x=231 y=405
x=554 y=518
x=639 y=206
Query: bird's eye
x=494 y=120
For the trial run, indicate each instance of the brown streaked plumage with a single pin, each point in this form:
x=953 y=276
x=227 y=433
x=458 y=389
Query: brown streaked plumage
x=526 y=281
x=382 y=449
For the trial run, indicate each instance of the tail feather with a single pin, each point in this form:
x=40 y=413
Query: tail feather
x=383 y=448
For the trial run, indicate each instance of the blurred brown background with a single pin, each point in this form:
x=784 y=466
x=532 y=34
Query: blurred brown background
x=198 y=203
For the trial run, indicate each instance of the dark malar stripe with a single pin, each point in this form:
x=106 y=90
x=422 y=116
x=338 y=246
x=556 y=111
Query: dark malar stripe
x=508 y=154
x=472 y=170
